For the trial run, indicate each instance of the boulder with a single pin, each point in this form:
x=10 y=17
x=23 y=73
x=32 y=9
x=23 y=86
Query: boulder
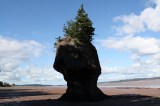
x=79 y=64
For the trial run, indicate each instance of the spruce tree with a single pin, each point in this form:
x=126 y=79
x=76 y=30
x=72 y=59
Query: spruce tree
x=80 y=28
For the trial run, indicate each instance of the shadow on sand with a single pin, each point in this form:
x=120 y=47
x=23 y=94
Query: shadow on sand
x=115 y=100
x=15 y=93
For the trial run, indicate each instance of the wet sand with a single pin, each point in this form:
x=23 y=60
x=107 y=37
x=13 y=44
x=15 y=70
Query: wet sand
x=48 y=95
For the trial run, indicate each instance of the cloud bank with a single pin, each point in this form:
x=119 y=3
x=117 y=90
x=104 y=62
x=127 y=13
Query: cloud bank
x=33 y=75
x=145 y=51
x=15 y=56
x=148 y=19
x=14 y=52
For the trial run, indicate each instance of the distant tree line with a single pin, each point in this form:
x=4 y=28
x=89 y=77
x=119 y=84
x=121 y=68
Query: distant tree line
x=5 y=84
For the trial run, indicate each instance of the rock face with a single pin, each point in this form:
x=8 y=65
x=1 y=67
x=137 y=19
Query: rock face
x=80 y=67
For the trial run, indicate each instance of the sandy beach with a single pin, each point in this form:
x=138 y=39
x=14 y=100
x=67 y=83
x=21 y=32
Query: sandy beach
x=120 y=94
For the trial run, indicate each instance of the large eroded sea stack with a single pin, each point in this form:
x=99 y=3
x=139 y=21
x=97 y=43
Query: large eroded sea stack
x=80 y=67
x=77 y=59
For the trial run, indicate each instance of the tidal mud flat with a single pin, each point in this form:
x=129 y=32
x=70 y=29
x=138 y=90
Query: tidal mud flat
x=48 y=95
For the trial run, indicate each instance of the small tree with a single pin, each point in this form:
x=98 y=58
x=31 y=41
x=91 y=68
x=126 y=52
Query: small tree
x=81 y=28
x=1 y=83
x=5 y=84
x=13 y=84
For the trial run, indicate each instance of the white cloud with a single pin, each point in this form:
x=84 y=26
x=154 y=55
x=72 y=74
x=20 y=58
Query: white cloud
x=33 y=75
x=145 y=53
x=14 y=52
x=148 y=19
x=131 y=24
x=137 y=45
x=121 y=73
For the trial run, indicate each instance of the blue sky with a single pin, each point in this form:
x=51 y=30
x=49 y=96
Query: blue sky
x=127 y=38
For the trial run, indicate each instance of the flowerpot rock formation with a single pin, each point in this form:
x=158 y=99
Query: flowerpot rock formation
x=79 y=64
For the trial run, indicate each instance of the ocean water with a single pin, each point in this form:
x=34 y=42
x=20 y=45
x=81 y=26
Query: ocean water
x=146 y=86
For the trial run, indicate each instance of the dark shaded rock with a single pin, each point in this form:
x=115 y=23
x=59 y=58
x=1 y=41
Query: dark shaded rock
x=79 y=64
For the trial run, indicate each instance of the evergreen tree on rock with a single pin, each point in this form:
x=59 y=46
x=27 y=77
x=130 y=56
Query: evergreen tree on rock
x=77 y=59
x=81 y=28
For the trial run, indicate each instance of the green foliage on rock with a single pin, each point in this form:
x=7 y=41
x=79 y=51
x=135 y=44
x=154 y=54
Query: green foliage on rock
x=80 y=28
